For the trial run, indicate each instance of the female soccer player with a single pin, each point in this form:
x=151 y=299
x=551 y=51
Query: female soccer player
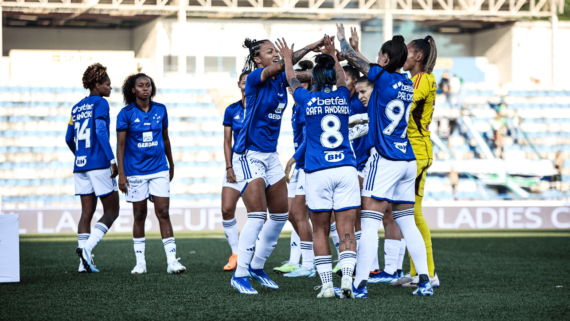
x=231 y=190
x=296 y=190
x=142 y=149
x=422 y=54
x=390 y=170
x=255 y=161
x=95 y=167
x=330 y=164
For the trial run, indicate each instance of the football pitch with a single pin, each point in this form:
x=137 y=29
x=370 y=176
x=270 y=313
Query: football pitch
x=483 y=274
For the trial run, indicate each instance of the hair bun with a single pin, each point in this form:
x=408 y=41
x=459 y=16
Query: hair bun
x=247 y=43
x=306 y=65
x=325 y=60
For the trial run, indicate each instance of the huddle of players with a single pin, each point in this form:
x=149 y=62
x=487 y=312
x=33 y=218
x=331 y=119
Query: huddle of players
x=391 y=160
x=143 y=148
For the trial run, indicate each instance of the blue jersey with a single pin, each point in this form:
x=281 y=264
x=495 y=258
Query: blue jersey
x=389 y=112
x=144 y=148
x=298 y=124
x=234 y=117
x=265 y=104
x=88 y=134
x=326 y=126
x=358 y=144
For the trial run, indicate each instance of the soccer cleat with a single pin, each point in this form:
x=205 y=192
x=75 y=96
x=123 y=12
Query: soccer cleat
x=232 y=263
x=383 y=277
x=81 y=267
x=327 y=291
x=424 y=289
x=86 y=259
x=434 y=281
x=301 y=272
x=175 y=267
x=359 y=293
x=242 y=285
x=140 y=268
x=413 y=283
x=261 y=277
x=336 y=268
x=285 y=268
x=402 y=280
x=374 y=273
x=338 y=293
x=346 y=286
x=400 y=274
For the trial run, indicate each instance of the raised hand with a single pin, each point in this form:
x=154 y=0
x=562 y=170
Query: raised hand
x=329 y=46
x=340 y=31
x=354 y=40
x=283 y=49
x=339 y=55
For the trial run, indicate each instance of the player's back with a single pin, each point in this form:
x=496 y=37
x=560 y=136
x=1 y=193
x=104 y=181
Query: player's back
x=389 y=112
x=422 y=109
x=89 y=154
x=326 y=124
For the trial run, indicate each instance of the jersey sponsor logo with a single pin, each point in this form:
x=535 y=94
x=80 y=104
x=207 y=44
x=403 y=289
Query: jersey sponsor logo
x=147 y=137
x=81 y=108
x=401 y=146
x=280 y=108
x=333 y=157
x=312 y=101
x=135 y=181
x=144 y=145
x=146 y=124
x=137 y=120
x=81 y=161
x=274 y=116
x=336 y=101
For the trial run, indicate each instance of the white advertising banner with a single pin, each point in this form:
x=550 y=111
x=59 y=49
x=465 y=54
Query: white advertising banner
x=439 y=215
x=9 y=249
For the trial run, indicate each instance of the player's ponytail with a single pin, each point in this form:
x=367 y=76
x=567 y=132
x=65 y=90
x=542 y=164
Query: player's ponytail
x=305 y=65
x=397 y=52
x=427 y=47
x=254 y=47
x=324 y=73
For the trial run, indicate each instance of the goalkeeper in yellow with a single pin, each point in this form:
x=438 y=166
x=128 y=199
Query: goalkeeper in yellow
x=422 y=54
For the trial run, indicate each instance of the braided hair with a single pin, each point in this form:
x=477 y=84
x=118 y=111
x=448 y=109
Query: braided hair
x=428 y=48
x=93 y=75
x=254 y=47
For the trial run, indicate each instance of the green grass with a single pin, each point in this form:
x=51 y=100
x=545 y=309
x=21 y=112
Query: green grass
x=484 y=275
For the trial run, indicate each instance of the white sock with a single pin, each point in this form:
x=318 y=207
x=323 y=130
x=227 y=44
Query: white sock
x=358 y=235
x=268 y=239
x=96 y=236
x=170 y=249
x=347 y=262
x=308 y=254
x=82 y=238
x=231 y=229
x=402 y=254
x=247 y=239
x=375 y=264
x=414 y=240
x=370 y=222
x=139 y=249
x=336 y=239
x=324 y=267
x=295 y=255
x=391 y=252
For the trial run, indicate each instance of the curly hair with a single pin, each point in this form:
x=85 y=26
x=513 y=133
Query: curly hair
x=93 y=75
x=128 y=96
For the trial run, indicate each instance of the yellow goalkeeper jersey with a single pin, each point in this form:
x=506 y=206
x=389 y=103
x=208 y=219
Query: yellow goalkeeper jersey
x=422 y=111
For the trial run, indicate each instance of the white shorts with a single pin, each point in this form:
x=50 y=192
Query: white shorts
x=237 y=186
x=251 y=165
x=296 y=183
x=145 y=186
x=333 y=189
x=387 y=180
x=96 y=181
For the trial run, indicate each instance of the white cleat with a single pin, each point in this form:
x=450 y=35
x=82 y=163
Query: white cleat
x=175 y=267
x=346 y=286
x=81 y=267
x=403 y=280
x=327 y=291
x=416 y=279
x=434 y=281
x=140 y=268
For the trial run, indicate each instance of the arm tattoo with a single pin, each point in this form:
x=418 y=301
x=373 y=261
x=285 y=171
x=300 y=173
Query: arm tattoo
x=348 y=243
x=294 y=84
x=266 y=74
x=353 y=58
x=304 y=76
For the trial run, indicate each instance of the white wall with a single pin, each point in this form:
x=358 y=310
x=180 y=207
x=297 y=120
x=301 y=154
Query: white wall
x=496 y=46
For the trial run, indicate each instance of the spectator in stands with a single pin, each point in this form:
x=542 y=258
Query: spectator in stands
x=558 y=165
x=498 y=125
x=444 y=87
x=454 y=178
x=454 y=89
